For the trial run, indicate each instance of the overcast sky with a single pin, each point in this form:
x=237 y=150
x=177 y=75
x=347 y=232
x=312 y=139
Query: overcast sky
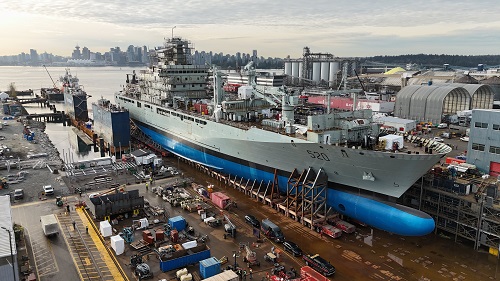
x=275 y=28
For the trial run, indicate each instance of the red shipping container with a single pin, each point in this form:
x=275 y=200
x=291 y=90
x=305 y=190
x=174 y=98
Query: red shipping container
x=220 y=199
x=160 y=235
x=201 y=108
x=174 y=236
x=145 y=233
x=149 y=240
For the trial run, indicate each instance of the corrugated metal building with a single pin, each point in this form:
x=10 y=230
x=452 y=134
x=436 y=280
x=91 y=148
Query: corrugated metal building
x=483 y=149
x=432 y=103
x=6 y=273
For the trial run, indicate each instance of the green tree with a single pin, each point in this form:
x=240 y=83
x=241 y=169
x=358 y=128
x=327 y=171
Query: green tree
x=12 y=90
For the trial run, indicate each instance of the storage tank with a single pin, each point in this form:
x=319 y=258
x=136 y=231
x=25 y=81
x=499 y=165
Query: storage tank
x=288 y=67
x=325 y=69
x=300 y=70
x=295 y=69
x=334 y=68
x=354 y=66
x=316 y=71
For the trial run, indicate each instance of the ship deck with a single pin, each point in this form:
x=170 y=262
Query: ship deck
x=412 y=144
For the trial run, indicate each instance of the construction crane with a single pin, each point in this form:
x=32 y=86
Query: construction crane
x=50 y=76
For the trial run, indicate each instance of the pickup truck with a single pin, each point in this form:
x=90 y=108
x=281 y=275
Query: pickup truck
x=319 y=264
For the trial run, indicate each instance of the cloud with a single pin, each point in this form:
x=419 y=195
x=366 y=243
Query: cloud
x=348 y=28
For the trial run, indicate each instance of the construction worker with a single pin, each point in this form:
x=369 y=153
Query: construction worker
x=87 y=229
x=147 y=186
x=251 y=272
x=74 y=225
x=67 y=208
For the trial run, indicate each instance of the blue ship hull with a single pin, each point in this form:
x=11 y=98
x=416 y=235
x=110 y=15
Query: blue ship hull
x=386 y=216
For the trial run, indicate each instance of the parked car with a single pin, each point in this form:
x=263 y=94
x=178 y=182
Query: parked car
x=48 y=190
x=252 y=221
x=438 y=139
x=442 y=126
x=464 y=139
x=18 y=194
x=292 y=248
x=319 y=264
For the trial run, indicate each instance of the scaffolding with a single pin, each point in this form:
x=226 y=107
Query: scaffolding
x=306 y=197
x=474 y=215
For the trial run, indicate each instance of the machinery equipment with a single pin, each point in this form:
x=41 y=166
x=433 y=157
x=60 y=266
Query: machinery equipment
x=141 y=269
x=128 y=234
x=59 y=201
x=250 y=257
x=229 y=227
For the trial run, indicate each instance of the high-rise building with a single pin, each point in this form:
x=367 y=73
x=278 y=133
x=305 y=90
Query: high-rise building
x=34 y=57
x=76 y=53
x=85 y=53
x=255 y=58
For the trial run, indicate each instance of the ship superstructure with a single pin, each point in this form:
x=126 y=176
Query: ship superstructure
x=75 y=98
x=267 y=132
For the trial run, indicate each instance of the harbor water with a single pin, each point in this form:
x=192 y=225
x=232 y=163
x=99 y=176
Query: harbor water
x=98 y=82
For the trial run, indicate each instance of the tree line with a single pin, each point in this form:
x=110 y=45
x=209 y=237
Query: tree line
x=437 y=60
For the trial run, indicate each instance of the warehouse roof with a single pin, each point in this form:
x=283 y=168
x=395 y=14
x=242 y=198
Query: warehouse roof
x=6 y=222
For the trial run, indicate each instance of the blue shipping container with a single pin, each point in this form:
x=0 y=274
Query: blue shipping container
x=184 y=260
x=178 y=223
x=209 y=267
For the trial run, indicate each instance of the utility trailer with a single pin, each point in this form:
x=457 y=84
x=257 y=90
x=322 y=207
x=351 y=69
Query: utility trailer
x=345 y=226
x=329 y=230
x=49 y=225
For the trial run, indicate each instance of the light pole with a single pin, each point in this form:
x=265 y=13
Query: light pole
x=11 y=253
x=235 y=256
x=173 y=31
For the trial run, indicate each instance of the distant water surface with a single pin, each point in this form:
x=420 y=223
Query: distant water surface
x=97 y=81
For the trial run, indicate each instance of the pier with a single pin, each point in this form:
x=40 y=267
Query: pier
x=57 y=117
x=42 y=101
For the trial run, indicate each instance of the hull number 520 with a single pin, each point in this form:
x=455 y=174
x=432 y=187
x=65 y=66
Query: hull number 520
x=318 y=155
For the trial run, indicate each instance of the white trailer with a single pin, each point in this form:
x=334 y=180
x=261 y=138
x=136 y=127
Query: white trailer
x=49 y=225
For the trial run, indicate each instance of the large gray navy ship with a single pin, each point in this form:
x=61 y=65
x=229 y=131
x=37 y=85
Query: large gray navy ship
x=266 y=133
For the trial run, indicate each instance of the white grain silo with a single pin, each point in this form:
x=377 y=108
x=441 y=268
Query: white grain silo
x=334 y=68
x=301 y=75
x=325 y=70
x=295 y=69
x=316 y=71
x=288 y=68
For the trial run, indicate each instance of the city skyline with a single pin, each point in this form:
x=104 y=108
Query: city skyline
x=343 y=28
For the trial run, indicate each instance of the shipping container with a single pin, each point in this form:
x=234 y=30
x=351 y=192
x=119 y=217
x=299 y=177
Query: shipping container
x=227 y=275
x=49 y=225
x=177 y=222
x=220 y=199
x=182 y=257
x=209 y=267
